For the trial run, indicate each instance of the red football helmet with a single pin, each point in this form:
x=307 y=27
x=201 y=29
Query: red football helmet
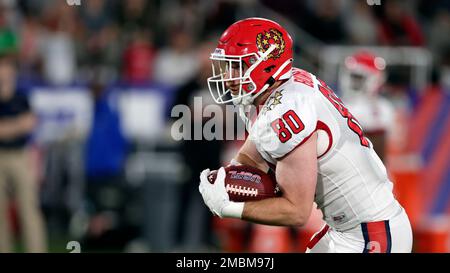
x=260 y=46
x=362 y=74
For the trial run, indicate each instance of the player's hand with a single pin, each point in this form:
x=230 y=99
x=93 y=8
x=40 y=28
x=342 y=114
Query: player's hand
x=214 y=195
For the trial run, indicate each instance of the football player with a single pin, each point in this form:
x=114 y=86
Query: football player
x=309 y=138
x=361 y=78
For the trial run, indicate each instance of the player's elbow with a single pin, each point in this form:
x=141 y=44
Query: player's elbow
x=297 y=221
x=300 y=220
x=298 y=217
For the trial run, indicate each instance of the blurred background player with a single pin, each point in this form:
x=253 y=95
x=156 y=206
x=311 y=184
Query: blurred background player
x=361 y=79
x=16 y=178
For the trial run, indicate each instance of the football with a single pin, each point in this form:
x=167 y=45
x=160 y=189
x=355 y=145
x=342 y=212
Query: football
x=245 y=183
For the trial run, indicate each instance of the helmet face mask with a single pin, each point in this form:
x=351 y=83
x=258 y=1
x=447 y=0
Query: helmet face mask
x=252 y=54
x=229 y=69
x=357 y=82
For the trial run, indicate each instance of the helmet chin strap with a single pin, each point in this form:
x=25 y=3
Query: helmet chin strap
x=247 y=100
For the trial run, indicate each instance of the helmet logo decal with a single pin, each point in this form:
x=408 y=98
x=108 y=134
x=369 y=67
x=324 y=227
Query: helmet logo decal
x=272 y=37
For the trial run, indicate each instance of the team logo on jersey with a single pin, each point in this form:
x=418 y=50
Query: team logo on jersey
x=267 y=38
x=273 y=101
x=339 y=218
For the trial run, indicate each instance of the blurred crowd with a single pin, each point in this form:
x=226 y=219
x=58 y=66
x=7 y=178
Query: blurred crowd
x=115 y=191
x=141 y=41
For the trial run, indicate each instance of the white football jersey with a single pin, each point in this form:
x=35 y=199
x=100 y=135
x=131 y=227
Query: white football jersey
x=352 y=186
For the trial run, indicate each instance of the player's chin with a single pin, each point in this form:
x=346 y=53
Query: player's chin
x=234 y=89
x=235 y=93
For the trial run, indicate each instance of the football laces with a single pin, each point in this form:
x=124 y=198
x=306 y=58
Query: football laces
x=239 y=190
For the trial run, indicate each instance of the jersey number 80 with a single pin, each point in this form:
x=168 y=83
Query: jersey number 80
x=289 y=124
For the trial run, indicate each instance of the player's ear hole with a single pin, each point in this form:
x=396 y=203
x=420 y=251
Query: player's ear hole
x=269 y=68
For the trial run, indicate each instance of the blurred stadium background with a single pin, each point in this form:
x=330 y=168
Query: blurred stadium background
x=102 y=77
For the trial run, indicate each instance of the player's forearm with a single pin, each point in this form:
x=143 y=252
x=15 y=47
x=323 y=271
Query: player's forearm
x=248 y=155
x=244 y=159
x=19 y=126
x=276 y=212
x=7 y=130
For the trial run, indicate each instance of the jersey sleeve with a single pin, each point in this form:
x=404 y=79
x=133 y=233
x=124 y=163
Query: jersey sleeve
x=285 y=126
